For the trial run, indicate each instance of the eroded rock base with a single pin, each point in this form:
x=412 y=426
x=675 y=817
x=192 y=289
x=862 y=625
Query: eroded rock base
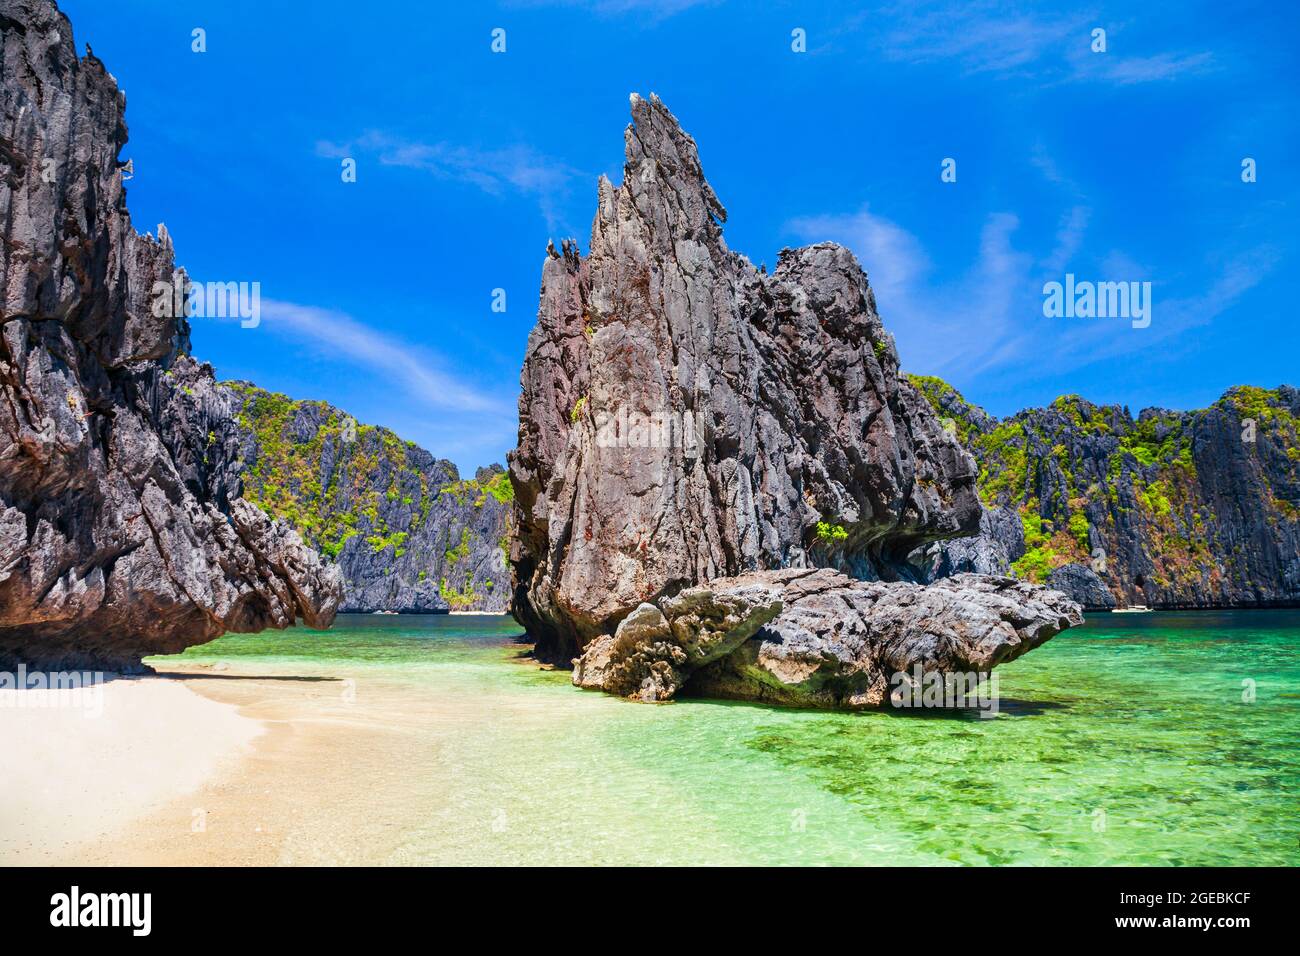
x=818 y=638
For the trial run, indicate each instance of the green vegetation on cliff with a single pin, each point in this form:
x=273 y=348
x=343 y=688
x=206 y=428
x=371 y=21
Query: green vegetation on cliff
x=421 y=532
x=1080 y=475
x=829 y=533
x=948 y=403
x=286 y=478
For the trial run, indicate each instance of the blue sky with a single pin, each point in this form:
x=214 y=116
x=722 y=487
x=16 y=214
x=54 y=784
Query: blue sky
x=1115 y=166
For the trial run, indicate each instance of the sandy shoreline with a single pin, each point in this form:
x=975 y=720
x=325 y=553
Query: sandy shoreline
x=74 y=772
x=233 y=763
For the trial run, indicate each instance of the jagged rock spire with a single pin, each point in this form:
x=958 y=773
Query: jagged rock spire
x=685 y=417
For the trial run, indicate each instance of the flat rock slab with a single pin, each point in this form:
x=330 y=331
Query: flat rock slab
x=819 y=638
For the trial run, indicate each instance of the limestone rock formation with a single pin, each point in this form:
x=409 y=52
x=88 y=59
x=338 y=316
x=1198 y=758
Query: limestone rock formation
x=721 y=477
x=121 y=521
x=818 y=638
x=686 y=416
x=841 y=643
x=1082 y=584
x=655 y=648
x=408 y=533
x=1168 y=509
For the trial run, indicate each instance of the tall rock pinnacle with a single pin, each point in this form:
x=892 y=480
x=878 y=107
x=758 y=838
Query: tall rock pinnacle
x=685 y=417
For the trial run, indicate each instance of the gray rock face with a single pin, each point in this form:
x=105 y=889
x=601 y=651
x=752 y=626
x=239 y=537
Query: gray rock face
x=1169 y=509
x=408 y=533
x=656 y=647
x=1000 y=541
x=818 y=638
x=1081 y=583
x=686 y=416
x=122 y=528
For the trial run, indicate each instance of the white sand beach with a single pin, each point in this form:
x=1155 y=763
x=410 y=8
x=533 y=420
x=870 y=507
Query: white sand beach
x=221 y=764
x=75 y=772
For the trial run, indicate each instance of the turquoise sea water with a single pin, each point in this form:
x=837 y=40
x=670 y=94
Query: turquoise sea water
x=1126 y=741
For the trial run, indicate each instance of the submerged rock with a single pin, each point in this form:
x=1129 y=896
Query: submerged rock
x=121 y=521
x=818 y=638
x=841 y=642
x=697 y=438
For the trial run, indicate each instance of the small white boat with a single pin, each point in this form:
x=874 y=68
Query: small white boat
x=1132 y=609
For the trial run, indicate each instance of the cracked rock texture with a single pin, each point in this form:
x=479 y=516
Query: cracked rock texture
x=839 y=641
x=686 y=416
x=122 y=529
x=656 y=648
x=818 y=638
x=1000 y=541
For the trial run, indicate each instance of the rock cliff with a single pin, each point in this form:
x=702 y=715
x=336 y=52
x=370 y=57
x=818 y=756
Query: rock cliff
x=1171 y=509
x=122 y=529
x=686 y=417
x=409 y=534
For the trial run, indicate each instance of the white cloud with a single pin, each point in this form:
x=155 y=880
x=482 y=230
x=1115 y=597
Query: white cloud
x=981 y=38
x=1009 y=39
x=1069 y=238
x=1145 y=69
x=395 y=383
x=893 y=257
x=987 y=319
x=966 y=323
x=652 y=9
x=1171 y=319
x=516 y=168
x=342 y=338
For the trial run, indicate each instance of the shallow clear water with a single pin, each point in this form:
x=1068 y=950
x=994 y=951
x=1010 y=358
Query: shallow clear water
x=1124 y=741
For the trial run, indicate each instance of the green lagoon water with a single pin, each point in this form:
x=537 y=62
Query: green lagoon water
x=1125 y=741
